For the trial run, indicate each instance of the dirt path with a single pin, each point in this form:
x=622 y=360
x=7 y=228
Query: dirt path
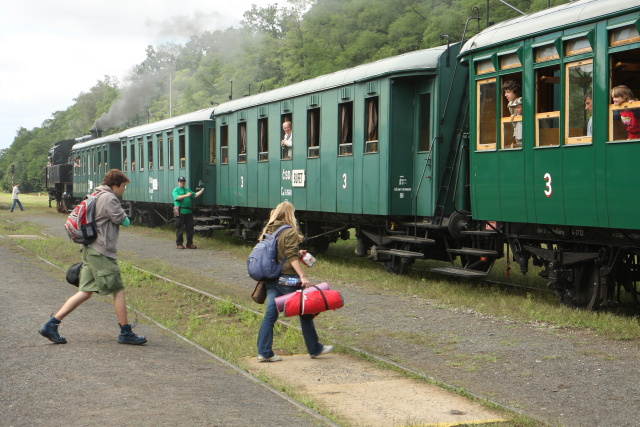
x=563 y=376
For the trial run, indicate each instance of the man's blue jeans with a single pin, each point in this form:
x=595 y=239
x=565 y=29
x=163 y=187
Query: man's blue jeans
x=265 y=335
x=13 y=205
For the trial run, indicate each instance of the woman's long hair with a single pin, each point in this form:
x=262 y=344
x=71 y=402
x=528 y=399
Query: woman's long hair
x=284 y=212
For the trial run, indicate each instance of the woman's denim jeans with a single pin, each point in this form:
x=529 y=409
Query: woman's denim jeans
x=265 y=335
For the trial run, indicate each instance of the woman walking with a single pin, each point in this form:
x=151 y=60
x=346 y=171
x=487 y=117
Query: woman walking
x=288 y=241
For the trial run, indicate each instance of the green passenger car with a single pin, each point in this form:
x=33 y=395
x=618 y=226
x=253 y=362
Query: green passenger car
x=364 y=140
x=575 y=163
x=556 y=176
x=92 y=159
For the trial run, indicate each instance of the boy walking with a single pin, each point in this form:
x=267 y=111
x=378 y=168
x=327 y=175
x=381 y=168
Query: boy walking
x=100 y=272
x=14 y=196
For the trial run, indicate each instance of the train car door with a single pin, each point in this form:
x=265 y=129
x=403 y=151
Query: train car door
x=424 y=157
x=344 y=169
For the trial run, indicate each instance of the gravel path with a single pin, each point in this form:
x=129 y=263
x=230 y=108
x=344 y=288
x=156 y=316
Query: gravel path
x=569 y=377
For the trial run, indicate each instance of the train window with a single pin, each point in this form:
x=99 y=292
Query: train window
x=286 y=144
x=485 y=66
x=212 y=146
x=579 y=87
x=509 y=61
x=99 y=161
x=242 y=142
x=546 y=53
x=170 y=153
x=224 y=144
x=160 y=144
x=371 y=125
x=263 y=140
x=124 y=156
x=133 y=156
x=624 y=115
x=424 y=121
x=548 y=93
x=141 y=154
x=486 y=114
x=577 y=46
x=511 y=111
x=624 y=35
x=345 y=129
x=150 y=152
x=313 y=132
x=182 y=148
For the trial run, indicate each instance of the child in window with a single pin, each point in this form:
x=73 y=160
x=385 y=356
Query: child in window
x=515 y=107
x=629 y=118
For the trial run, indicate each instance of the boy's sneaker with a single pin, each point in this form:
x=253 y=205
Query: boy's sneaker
x=127 y=336
x=325 y=349
x=50 y=330
x=273 y=358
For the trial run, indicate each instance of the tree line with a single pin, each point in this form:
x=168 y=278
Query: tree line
x=274 y=46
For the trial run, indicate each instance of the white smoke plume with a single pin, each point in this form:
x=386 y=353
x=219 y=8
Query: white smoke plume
x=134 y=98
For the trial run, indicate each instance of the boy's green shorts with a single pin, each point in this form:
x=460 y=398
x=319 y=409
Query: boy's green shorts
x=99 y=273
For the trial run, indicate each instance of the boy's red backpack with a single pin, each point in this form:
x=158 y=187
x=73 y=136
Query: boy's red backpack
x=81 y=226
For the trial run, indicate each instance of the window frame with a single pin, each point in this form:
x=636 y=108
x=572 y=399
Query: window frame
x=573 y=140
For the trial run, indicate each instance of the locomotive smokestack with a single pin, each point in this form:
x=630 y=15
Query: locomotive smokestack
x=96 y=133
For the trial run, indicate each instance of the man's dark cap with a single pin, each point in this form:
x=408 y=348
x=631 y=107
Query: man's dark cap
x=182 y=178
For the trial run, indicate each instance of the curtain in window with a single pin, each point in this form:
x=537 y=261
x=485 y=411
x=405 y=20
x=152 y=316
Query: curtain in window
x=372 y=120
x=344 y=123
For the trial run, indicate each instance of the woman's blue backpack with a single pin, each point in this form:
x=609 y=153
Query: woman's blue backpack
x=262 y=263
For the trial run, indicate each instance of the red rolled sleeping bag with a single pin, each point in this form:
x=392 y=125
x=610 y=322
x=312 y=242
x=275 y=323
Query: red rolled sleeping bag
x=282 y=299
x=312 y=302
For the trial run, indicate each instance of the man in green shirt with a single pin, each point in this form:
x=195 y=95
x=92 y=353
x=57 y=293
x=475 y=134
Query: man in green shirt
x=182 y=197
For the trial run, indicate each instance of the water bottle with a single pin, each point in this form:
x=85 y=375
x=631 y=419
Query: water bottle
x=307 y=259
x=289 y=281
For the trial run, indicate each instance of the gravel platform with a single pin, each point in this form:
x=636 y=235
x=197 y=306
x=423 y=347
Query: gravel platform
x=568 y=377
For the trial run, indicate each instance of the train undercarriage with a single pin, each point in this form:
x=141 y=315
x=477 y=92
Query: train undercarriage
x=586 y=268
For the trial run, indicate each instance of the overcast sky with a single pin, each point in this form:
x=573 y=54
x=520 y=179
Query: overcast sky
x=50 y=51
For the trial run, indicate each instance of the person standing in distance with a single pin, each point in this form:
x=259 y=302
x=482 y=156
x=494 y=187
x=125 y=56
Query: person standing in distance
x=287 y=141
x=182 y=197
x=100 y=272
x=14 y=196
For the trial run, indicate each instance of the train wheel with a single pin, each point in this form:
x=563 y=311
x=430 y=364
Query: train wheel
x=320 y=244
x=587 y=289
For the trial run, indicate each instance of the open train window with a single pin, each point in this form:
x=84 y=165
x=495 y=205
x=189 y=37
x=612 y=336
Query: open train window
x=133 y=155
x=313 y=132
x=212 y=146
x=224 y=144
x=286 y=139
x=548 y=94
x=242 y=142
x=511 y=111
x=150 y=152
x=170 y=152
x=625 y=67
x=371 y=125
x=124 y=156
x=579 y=89
x=486 y=114
x=345 y=129
x=263 y=139
x=141 y=153
x=160 y=143
x=182 y=148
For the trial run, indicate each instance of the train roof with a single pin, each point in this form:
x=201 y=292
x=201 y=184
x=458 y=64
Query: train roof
x=420 y=60
x=547 y=20
x=194 y=117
